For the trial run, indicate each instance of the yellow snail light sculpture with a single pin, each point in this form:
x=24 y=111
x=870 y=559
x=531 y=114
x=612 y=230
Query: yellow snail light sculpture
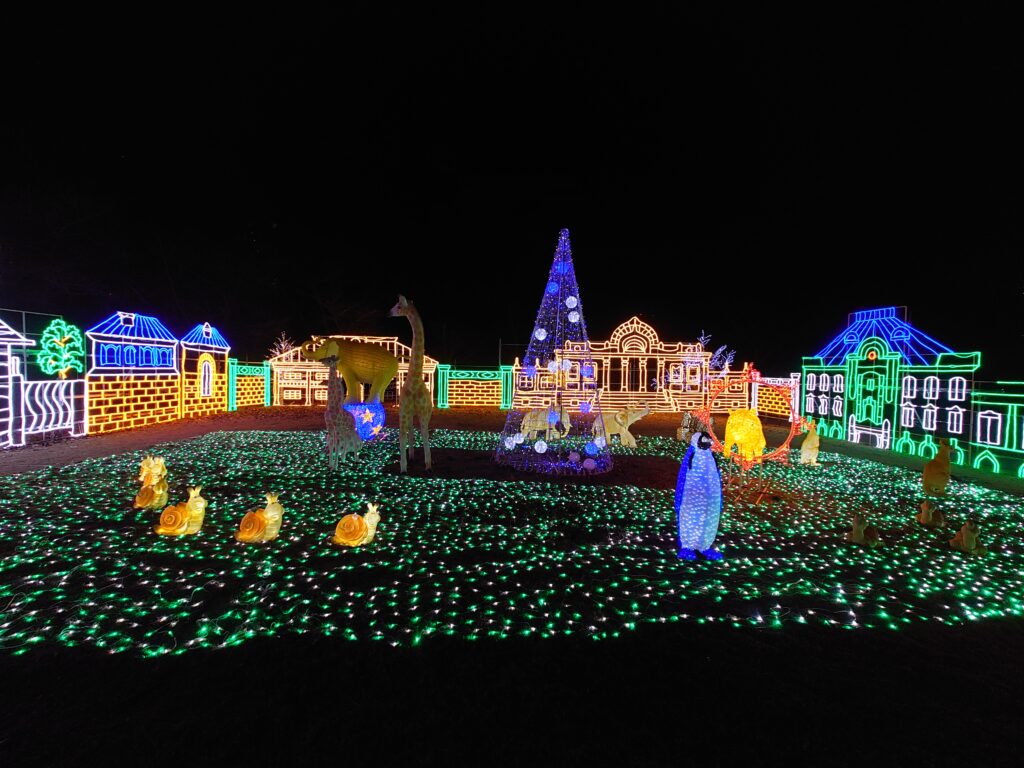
x=355 y=530
x=153 y=476
x=183 y=519
x=261 y=524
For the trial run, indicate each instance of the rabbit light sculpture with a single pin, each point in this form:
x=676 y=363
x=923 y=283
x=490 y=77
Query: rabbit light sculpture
x=354 y=530
x=809 y=448
x=931 y=516
x=261 y=524
x=183 y=519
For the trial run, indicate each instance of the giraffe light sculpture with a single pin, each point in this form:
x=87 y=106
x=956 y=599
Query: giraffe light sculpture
x=415 y=403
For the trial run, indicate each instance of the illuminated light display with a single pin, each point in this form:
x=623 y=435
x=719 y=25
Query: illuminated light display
x=133 y=379
x=634 y=368
x=263 y=524
x=36 y=407
x=204 y=372
x=249 y=384
x=862 y=533
x=930 y=515
x=935 y=476
x=895 y=387
x=480 y=387
x=601 y=566
x=298 y=381
x=354 y=530
x=619 y=423
x=811 y=445
x=781 y=397
x=698 y=502
x=368 y=418
x=556 y=390
x=61 y=349
x=415 y=405
x=360 y=364
x=153 y=476
x=342 y=435
x=746 y=459
x=966 y=540
x=743 y=430
x=184 y=519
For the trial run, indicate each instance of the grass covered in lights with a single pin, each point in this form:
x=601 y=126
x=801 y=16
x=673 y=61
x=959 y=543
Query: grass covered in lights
x=476 y=559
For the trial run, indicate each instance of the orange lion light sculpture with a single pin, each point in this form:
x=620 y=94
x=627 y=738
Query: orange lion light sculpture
x=183 y=519
x=355 y=530
x=262 y=524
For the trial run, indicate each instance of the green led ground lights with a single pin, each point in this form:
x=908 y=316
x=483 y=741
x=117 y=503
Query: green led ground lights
x=474 y=559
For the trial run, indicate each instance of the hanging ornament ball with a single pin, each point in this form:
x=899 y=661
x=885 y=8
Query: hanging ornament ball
x=587 y=370
x=552 y=287
x=530 y=370
x=561 y=267
x=540 y=446
x=574 y=457
x=584 y=407
x=600 y=442
x=540 y=334
x=566 y=365
x=552 y=417
x=574 y=316
x=519 y=438
x=589 y=464
x=510 y=443
x=571 y=303
x=553 y=367
x=591 y=448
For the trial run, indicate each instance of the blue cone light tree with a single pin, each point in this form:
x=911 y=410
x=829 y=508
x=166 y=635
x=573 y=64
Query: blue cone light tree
x=555 y=425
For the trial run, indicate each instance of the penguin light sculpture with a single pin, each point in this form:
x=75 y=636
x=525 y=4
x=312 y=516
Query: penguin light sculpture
x=698 y=500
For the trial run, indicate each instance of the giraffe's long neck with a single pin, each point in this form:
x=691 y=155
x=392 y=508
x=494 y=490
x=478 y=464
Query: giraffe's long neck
x=416 y=356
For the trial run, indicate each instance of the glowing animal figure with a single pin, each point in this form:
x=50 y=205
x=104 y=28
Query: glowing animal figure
x=553 y=422
x=358 y=363
x=931 y=516
x=415 y=404
x=691 y=425
x=698 y=500
x=342 y=437
x=936 y=472
x=262 y=524
x=153 y=476
x=620 y=423
x=967 y=539
x=809 y=449
x=185 y=518
x=743 y=429
x=355 y=530
x=863 y=533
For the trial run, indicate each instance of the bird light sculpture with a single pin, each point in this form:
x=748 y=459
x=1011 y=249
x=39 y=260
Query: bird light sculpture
x=153 y=476
x=698 y=500
x=809 y=448
x=183 y=519
x=355 y=530
x=261 y=524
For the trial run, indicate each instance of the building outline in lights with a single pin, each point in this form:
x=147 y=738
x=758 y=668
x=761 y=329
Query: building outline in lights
x=204 y=372
x=35 y=407
x=298 y=381
x=634 y=368
x=885 y=383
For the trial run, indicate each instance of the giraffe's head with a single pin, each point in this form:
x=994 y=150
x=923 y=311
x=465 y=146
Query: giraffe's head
x=403 y=308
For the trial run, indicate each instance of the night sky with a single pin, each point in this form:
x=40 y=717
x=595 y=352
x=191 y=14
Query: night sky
x=755 y=178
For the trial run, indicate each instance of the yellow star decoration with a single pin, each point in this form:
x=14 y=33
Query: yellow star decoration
x=367 y=417
x=376 y=430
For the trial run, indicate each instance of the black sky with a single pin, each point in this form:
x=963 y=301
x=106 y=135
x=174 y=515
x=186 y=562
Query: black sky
x=757 y=178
